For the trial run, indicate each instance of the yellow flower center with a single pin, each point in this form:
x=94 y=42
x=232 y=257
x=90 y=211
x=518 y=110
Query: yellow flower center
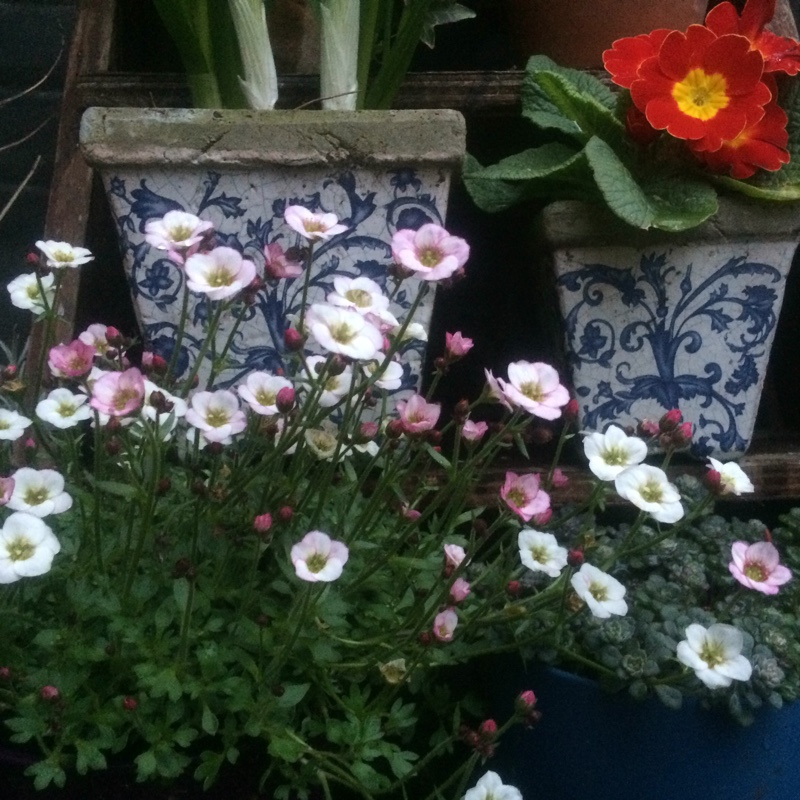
x=430 y=257
x=313 y=226
x=20 y=549
x=316 y=562
x=217 y=417
x=361 y=297
x=33 y=291
x=713 y=654
x=517 y=497
x=701 y=94
x=532 y=391
x=219 y=277
x=180 y=232
x=266 y=398
x=615 y=456
x=539 y=554
x=35 y=495
x=652 y=492
x=66 y=409
x=5 y=425
x=63 y=256
x=123 y=397
x=599 y=591
x=755 y=571
x=342 y=333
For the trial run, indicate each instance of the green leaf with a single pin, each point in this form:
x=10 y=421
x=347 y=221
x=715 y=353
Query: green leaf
x=180 y=591
x=669 y=696
x=146 y=765
x=437 y=456
x=293 y=693
x=209 y=721
x=571 y=101
x=46 y=772
x=88 y=757
x=286 y=748
x=116 y=489
x=679 y=204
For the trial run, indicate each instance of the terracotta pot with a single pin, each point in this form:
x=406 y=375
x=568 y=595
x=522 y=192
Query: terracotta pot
x=575 y=32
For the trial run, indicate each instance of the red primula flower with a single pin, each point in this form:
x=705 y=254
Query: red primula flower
x=626 y=55
x=780 y=54
x=761 y=145
x=701 y=86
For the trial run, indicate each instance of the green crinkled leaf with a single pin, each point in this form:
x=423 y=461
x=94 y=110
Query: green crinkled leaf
x=293 y=693
x=286 y=748
x=88 y=757
x=669 y=696
x=46 y=772
x=568 y=100
x=679 y=204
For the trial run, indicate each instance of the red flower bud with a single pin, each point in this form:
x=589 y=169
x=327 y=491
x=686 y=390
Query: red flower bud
x=670 y=420
x=488 y=729
x=293 y=339
x=285 y=399
x=262 y=523
x=575 y=557
x=49 y=693
x=571 y=410
x=5 y=674
x=647 y=428
x=514 y=588
x=525 y=701
x=130 y=703
x=394 y=430
x=285 y=513
x=713 y=481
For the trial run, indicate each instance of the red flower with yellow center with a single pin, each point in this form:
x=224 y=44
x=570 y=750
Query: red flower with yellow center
x=701 y=86
x=761 y=145
x=780 y=54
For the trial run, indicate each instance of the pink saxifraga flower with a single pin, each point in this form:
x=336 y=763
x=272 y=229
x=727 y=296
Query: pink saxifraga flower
x=314 y=227
x=460 y=590
x=474 y=431
x=444 y=625
x=71 y=360
x=457 y=345
x=317 y=557
x=6 y=489
x=177 y=232
x=278 y=264
x=757 y=566
x=454 y=554
x=524 y=496
x=560 y=480
x=95 y=335
x=118 y=393
x=534 y=387
x=417 y=415
x=430 y=252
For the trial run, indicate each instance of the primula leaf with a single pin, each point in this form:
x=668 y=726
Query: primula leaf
x=679 y=203
x=570 y=101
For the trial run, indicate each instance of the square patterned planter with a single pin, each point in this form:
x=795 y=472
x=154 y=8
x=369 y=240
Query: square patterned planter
x=378 y=171
x=654 y=321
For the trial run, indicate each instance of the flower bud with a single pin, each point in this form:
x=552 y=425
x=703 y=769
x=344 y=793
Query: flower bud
x=262 y=523
x=160 y=403
x=461 y=411
x=114 y=337
x=285 y=399
x=394 y=430
x=571 y=410
x=5 y=674
x=113 y=446
x=488 y=729
x=575 y=557
x=670 y=420
x=647 y=429
x=285 y=513
x=713 y=482
x=163 y=486
x=541 y=435
x=215 y=448
x=525 y=702
x=130 y=703
x=337 y=365
x=367 y=431
x=293 y=339
x=514 y=588
x=49 y=693
x=425 y=638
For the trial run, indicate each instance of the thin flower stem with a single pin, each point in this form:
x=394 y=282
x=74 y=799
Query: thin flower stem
x=306 y=284
x=178 y=343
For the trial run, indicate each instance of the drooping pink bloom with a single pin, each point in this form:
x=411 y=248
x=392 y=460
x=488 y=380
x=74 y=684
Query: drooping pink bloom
x=118 y=393
x=95 y=335
x=454 y=554
x=6 y=490
x=534 y=387
x=430 y=252
x=524 y=496
x=757 y=566
x=459 y=590
x=474 y=431
x=278 y=264
x=317 y=557
x=560 y=480
x=444 y=625
x=417 y=415
x=71 y=360
x=313 y=226
x=457 y=345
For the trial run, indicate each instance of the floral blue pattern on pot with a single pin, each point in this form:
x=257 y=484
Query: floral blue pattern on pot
x=687 y=327
x=373 y=204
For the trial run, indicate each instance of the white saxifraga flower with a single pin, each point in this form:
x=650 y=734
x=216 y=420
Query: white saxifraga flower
x=340 y=330
x=26 y=294
x=334 y=388
x=62 y=254
x=260 y=392
x=317 y=557
x=390 y=372
x=220 y=274
x=27 y=547
x=64 y=409
x=602 y=593
x=216 y=415
x=12 y=424
x=715 y=654
x=364 y=296
x=176 y=230
x=313 y=226
x=322 y=442
x=732 y=479
x=490 y=787
x=541 y=552
x=649 y=489
x=613 y=451
x=39 y=492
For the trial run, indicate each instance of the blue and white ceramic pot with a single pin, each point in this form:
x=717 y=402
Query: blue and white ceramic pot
x=592 y=745
x=655 y=321
x=377 y=171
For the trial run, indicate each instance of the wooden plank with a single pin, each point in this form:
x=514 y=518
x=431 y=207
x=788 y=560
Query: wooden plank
x=70 y=191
